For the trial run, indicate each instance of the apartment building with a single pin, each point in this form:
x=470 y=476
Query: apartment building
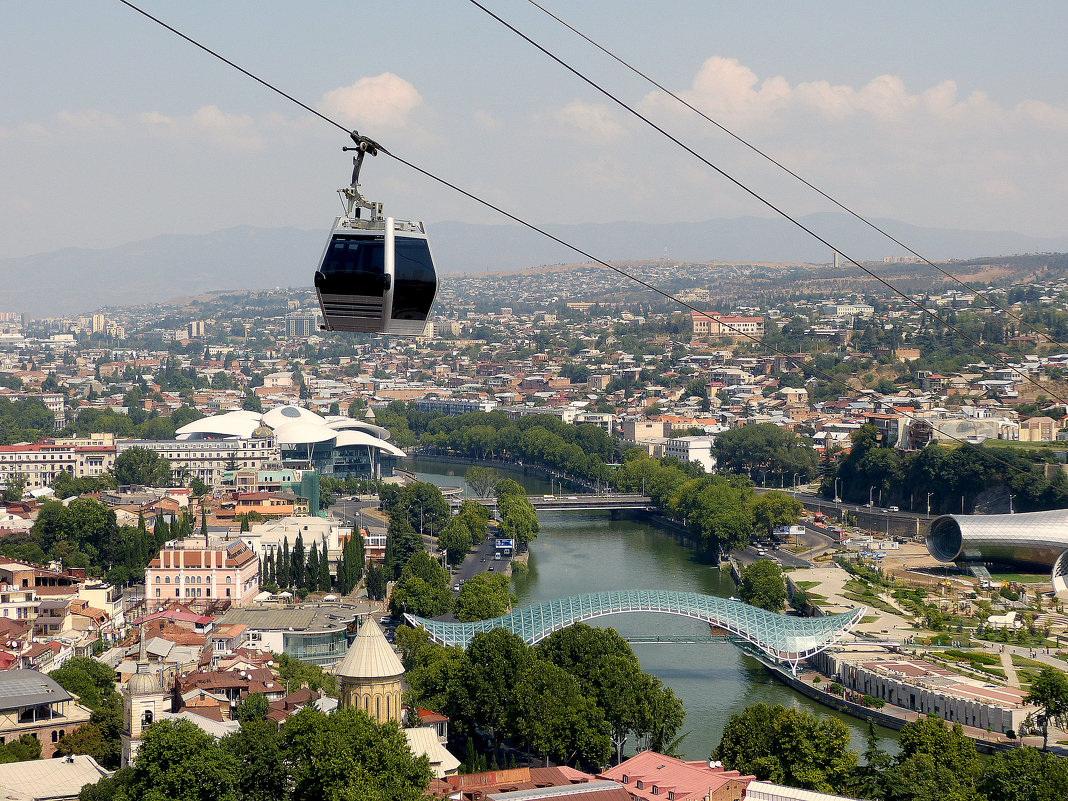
x=726 y=325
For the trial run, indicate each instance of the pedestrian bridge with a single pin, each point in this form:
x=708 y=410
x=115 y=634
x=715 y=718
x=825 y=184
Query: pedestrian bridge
x=784 y=638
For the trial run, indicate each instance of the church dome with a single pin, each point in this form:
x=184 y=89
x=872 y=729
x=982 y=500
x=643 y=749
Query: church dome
x=370 y=656
x=144 y=684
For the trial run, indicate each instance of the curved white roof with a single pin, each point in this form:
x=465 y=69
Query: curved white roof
x=348 y=424
x=302 y=432
x=232 y=424
x=280 y=416
x=349 y=438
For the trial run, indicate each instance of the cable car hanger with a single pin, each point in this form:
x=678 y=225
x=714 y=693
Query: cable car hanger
x=376 y=275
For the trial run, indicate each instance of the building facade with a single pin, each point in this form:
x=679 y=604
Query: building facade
x=208 y=459
x=41 y=462
x=189 y=570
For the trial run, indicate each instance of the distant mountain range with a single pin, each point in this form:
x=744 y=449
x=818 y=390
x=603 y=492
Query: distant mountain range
x=74 y=280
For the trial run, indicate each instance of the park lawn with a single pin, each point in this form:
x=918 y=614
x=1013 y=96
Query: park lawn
x=1021 y=578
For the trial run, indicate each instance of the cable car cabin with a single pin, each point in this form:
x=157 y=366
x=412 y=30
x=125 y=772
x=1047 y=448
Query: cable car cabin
x=376 y=276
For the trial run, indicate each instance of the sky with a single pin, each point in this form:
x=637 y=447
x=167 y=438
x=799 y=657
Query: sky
x=113 y=130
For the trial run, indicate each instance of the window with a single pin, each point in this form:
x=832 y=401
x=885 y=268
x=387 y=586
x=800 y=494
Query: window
x=146 y=719
x=157 y=592
x=626 y=779
x=157 y=579
x=177 y=593
x=167 y=580
x=227 y=592
x=640 y=785
x=55 y=736
x=227 y=581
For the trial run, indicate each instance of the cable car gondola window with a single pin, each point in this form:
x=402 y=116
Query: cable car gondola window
x=415 y=279
x=355 y=266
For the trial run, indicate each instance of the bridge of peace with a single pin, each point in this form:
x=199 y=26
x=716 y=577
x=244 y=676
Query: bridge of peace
x=784 y=639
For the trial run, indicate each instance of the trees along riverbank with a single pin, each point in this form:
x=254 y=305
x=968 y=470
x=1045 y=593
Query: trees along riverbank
x=575 y=698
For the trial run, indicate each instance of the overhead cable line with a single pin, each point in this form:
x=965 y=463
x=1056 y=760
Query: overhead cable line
x=763 y=154
x=764 y=201
x=794 y=359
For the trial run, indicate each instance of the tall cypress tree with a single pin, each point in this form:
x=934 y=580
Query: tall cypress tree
x=203 y=521
x=161 y=532
x=311 y=575
x=286 y=578
x=324 y=569
x=296 y=562
x=278 y=566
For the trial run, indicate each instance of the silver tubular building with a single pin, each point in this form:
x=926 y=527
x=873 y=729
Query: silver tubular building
x=1038 y=539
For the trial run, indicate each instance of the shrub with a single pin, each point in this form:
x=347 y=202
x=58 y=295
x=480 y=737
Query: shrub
x=835 y=688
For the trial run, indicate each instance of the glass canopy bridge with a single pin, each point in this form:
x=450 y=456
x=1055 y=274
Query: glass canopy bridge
x=783 y=638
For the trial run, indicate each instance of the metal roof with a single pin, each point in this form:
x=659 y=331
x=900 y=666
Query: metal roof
x=22 y=688
x=783 y=637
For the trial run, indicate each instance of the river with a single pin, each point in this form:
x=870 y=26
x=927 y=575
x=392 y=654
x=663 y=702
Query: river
x=589 y=552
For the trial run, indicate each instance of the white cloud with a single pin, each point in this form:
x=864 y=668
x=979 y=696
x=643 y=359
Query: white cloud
x=384 y=100
x=88 y=120
x=207 y=123
x=594 y=122
x=733 y=94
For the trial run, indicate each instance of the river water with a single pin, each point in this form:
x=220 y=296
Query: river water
x=589 y=552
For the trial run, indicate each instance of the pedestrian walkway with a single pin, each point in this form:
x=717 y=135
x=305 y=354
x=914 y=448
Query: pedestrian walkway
x=1010 y=670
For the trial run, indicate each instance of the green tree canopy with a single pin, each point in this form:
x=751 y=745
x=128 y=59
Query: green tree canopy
x=142 y=466
x=763 y=586
x=484 y=596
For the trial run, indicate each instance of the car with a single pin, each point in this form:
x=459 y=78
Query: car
x=572 y=497
x=867 y=505
x=483 y=559
x=491 y=568
x=455 y=587
x=837 y=500
x=893 y=509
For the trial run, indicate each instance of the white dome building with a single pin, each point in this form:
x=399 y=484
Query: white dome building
x=337 y=447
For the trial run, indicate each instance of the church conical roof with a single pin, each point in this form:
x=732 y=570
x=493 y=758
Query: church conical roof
x=370 y=656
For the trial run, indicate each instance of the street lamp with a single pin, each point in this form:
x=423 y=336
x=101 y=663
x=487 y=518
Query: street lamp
x=1010 y=503
x=929 y=494
x=837 y=497
x=871 y=490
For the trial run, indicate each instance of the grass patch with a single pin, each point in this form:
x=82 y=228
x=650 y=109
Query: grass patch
x=871 y=600
x=807 y=585
x=1021 y=578
x=868 y=619
x=982 y=657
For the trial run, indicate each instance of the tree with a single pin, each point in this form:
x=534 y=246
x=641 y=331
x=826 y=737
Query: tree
x=422 y=589
x=788 y=746
x=89 y=679
x=763 y=586
x=257 y=748
x=773 y=509
x=350 y=568
x=765 y=448
x=347 y=756
x=481 y=480
x=376 y=582
x=484 y=596
x=402 y=541
x=297 y=566
x=254 y=707
x=311 y=578
x=142 y=466
x=323 y=579
x=554 y=718
x=455 y=540
x=16 y=486
x=1049 y=691
x=178 y=761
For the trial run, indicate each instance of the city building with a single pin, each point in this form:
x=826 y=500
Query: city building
x=32 y=703
x=924 y=687
x=650 y=776
x=456 y=406
x=848 y=310
x=369 y=677
x=144 y=701
x=210 y=459
x=692 y=449
x=41 y=462
x=313 y=632
x=49 y=779
x=333 y=446
x=191 y=570
x=301 y=325
x=726 y=325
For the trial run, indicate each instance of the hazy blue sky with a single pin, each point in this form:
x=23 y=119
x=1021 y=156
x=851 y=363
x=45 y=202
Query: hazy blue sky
x=947 y=114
